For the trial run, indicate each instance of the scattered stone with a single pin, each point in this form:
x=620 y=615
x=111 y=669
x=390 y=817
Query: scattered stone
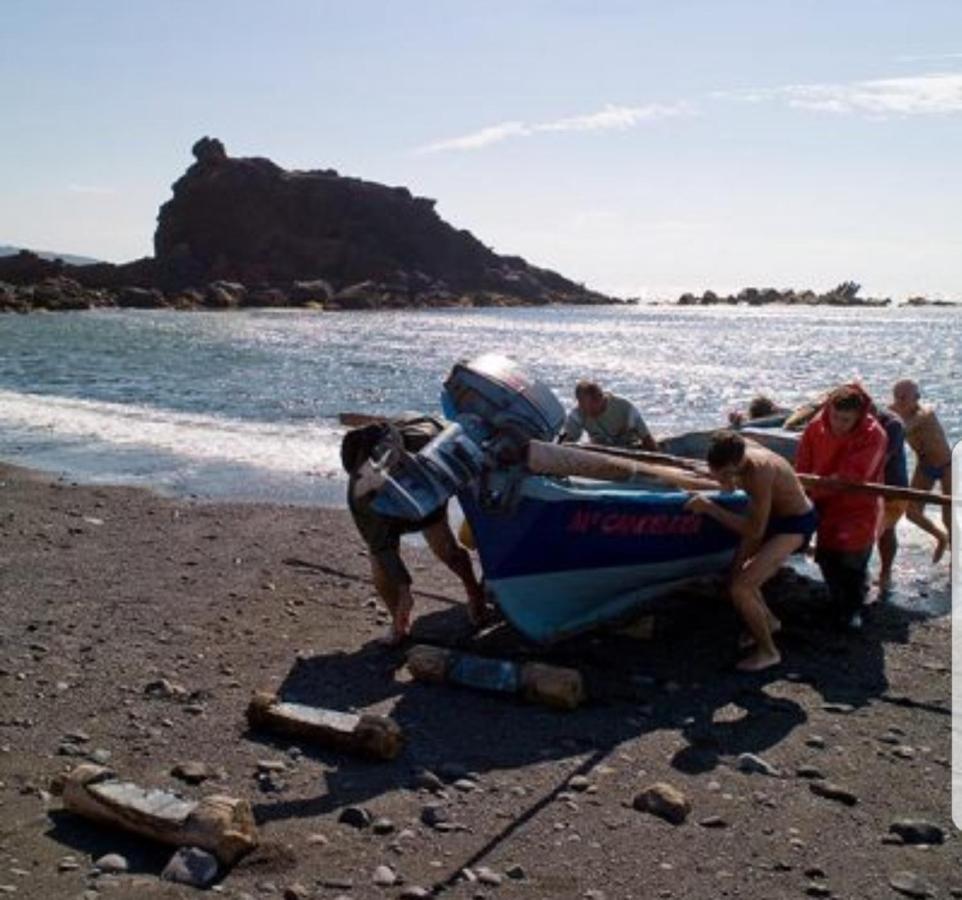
x=296 y=891
x=465 y=785
x=428 y=781
x=68 y=864
x=809 y=772
x=516 y=872
x=814 y=889
x=112 y=864
x=192 y=866
x=164 y=689
x=911 y=885
x=713 y=822
x=318 y=840
x=841 y=708
x=271 y=765
x=752 y=764
x=579 y=783
x=100 y=756
x=355 y=816
x=434 y=815
x=831 y=791
x=903 y=751
x=663 y=800
x=382 y=826
x=415 y=893
x=816 y=741
x=917 y=831
x=814 y=872
x=191 y=772
x=384 y=876
x=488 y=876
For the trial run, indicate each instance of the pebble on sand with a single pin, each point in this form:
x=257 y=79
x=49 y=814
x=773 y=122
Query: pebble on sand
x=663 y=800
x=192 y=866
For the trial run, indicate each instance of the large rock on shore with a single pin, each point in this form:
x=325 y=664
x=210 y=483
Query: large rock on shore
x=250 y=221
x=245 y=232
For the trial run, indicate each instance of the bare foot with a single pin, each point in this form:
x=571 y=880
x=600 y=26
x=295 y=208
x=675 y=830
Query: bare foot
x=746 y=640
x=941 y=545
x=391 y=639
x=759 y=660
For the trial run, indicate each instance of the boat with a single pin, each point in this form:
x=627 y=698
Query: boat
x=694 y=444
x=560 y=555
x=574 y=554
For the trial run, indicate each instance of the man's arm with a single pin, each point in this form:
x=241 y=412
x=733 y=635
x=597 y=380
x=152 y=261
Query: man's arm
x=573 y=427
x=751 y=527
x=638 y=431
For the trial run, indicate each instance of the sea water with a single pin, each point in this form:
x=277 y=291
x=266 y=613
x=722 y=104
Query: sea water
x=244 y=405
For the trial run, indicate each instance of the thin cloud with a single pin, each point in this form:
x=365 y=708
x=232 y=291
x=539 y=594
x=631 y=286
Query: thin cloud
x=929 y=57
x=937 y=93
x=610 y=117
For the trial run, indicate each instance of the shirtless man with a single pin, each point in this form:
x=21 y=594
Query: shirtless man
x=925 y=436
x=781 y=521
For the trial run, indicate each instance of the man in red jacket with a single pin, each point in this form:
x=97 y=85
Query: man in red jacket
x=845 y=441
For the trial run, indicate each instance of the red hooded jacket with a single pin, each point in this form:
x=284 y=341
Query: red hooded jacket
x=847 y=522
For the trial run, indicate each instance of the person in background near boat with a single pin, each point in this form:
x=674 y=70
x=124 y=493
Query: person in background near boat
x=607 y=418
x=382 y=534
x=781 y=521
x=896 y=475
x=762 y=411
x=925 y=436
x=845 y=441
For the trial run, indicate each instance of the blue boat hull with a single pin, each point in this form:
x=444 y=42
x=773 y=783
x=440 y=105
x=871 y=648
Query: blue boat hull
x=575 y=555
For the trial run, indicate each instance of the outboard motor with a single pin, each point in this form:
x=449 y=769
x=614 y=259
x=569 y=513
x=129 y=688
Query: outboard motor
x=496 y=408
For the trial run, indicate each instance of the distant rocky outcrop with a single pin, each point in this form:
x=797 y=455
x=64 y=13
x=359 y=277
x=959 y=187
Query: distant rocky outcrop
x=245 y=232
x=844 y=294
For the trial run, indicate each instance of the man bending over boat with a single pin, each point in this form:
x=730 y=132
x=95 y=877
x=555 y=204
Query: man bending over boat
x=382 y=534
x=608 y=419
x=781 y=521
x=925 y=436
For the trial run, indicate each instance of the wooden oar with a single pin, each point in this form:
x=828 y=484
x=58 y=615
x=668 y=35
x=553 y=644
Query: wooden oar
x=624 y=464
x=563 y=460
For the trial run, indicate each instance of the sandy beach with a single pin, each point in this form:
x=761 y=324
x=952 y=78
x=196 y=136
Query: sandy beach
x=105 y=590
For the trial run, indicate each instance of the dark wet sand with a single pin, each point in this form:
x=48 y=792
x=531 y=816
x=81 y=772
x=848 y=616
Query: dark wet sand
x=103 y=590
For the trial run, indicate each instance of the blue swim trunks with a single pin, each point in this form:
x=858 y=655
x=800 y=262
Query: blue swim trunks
x=804 y=524
x=936 y=473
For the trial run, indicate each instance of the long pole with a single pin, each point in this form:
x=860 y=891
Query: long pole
x=623 y=464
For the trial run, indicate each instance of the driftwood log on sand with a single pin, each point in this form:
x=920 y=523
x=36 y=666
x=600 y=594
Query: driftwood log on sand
x=377 y=737
x=224 y=826
x=555 y=686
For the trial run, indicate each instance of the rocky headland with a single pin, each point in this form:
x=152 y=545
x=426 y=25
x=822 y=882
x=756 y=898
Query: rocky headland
x=241 y=232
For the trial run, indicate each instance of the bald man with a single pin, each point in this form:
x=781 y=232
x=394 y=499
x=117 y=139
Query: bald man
x=925 y=436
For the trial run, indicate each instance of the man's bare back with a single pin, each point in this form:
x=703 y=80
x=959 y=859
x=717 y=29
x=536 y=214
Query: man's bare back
x=925 y=435
x=763 y=467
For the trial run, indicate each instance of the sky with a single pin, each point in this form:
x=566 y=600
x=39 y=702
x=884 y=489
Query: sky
x=644 y=148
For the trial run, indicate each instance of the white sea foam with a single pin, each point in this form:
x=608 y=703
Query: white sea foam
x=301 y=448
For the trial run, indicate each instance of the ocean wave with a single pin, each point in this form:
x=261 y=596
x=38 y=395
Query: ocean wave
x=302 y=448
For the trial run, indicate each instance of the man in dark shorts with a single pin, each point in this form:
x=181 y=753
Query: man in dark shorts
x=781 y=521
x=382 y=534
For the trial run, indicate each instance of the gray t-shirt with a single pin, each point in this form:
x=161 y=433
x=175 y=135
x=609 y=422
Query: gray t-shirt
x=619 y=425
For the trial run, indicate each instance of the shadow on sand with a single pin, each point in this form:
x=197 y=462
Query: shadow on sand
x=679 y=680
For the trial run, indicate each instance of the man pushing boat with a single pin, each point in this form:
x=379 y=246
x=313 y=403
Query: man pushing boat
x=781 y=521
x=608 y=419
